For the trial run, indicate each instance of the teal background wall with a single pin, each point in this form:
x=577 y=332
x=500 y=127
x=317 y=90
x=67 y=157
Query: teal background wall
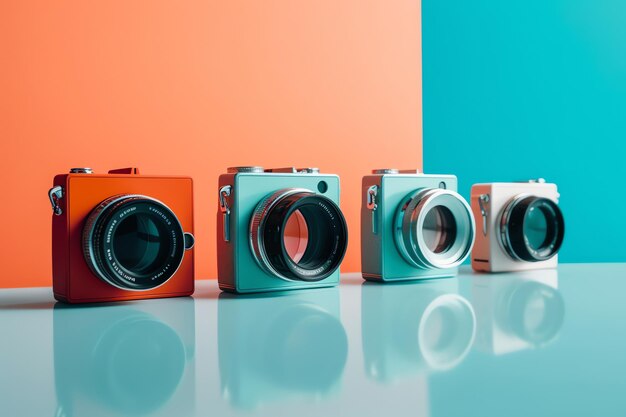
x=524 y=89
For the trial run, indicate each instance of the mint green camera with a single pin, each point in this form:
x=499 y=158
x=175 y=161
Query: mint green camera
x=413 y=226
x=279 y=229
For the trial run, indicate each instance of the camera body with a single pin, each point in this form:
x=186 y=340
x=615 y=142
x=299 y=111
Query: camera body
x=279 y=346
x=520 y=226
x=397 y=207
x=522 y=310
x=121 y=236
x=279 y=229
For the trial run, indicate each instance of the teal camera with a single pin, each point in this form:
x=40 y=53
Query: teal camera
x=279 y=229
x=413 y=226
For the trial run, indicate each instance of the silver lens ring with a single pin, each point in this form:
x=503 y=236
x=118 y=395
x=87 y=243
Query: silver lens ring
x=257 y=224
x=327 y=235
x=409 y=226
x=505 y=239
x=102 y=222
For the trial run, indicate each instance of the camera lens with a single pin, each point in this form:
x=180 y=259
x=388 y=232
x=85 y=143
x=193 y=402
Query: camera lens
x=439 y=231
x=434 y=228
x=133 y=242
x=532 y=228
x=296 y=234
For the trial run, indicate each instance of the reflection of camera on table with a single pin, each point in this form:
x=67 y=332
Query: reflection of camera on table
x=517 y=311
x=413 y=329
x=280 y=346
x=124 y=360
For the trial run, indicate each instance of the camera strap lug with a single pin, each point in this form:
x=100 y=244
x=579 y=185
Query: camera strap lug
x=55 y=194
x=483 y=200
x=224 y=197
x=372 y=193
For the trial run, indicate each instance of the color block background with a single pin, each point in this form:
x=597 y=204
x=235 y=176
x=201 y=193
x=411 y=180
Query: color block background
x=525 y=89
x=190 y=88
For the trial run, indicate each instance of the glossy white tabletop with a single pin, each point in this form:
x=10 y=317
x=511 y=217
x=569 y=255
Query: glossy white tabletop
x=542 y=343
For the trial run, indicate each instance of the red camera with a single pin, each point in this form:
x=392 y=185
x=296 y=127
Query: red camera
x=121 y=236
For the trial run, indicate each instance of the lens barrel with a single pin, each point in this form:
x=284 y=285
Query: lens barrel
x=529 y=219
x=133 y=242
x=327 y=238
x=434 y=229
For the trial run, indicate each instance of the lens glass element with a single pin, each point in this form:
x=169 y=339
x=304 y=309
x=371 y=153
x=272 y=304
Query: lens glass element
x=439 y=230
x=139 y=245
x=535 y=227
x=296 y=236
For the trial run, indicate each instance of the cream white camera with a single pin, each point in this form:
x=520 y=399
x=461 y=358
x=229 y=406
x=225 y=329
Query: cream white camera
x=519 y=226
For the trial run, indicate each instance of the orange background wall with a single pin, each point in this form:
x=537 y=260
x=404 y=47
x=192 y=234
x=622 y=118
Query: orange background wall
x=192 y=87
